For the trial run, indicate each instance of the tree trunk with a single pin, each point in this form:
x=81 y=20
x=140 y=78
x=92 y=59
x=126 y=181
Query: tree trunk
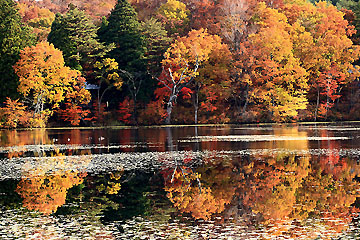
x=169 y=110
x=246 y=99
x=170 y=106
x=197 y=145
x=196 y=102
x=317 y=103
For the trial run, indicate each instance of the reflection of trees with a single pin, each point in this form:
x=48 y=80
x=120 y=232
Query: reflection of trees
x=286 y=190
x=24 y=137
x=201 y=192
x=45 y=193
x=270 y=184
x=20 y=139
x=44 y=189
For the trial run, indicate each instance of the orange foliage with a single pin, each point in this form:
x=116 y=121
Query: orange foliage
x=99 y=115
x=269 y=69
x=44 y=188
x=202 y=193
x=324 y=49
x=40 y=19
x=94 y=8
x=45 y=81
x=14 y=114
x=199 y=201
x=45 y=193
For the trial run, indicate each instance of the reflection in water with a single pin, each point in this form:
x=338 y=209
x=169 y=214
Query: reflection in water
x=45 y=191
x=278 y=191
x=201 y=192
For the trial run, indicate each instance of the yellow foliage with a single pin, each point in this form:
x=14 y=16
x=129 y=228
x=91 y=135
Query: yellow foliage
x=107 y=71
x=44 y=79
x=174 y=11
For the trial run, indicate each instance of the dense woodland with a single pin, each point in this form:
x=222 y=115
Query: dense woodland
x=102 y=62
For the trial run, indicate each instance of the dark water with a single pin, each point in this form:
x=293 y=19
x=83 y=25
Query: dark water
x=227 y=182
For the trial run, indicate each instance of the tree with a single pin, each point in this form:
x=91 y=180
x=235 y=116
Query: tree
x=204 y=14
x=156 y=41
x=234 y=19
x=45 y=193
x=202 y=192
x=45 y=82
x=96 y=9
x=183 y=62
x=123 y=29
x=14 y=36
x=14 y=114
x=174 y=15
x=146 y=9
x=75 y=35
x=278 y=82
x=107 y=72
x=180 y=67
x=322 y=45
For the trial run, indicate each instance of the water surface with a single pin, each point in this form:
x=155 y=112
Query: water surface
x=227 y=182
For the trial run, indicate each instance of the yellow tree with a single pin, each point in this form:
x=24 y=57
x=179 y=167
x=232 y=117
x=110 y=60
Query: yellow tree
x=45 y=193
x=107 y=72
x=321 y=41
x=274 y=75
x=174 y=14
x=45 y=82
x=44 y=189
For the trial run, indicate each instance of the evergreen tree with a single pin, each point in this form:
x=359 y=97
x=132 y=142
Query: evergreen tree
x=123 y=29
x=76 y=36
x=14 y=36
x=157 y=41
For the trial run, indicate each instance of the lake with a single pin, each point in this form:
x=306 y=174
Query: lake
x=298 y=181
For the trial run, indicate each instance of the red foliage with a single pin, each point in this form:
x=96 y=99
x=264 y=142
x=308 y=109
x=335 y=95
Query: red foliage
x=125 y=110
x=154 y=113
x=73 y=114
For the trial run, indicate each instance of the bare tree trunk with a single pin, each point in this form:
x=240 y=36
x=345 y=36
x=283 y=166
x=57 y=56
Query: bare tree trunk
x=169 y=108
x=197 y=145
x=317 y=103
x=177 y=86
x=196 y=102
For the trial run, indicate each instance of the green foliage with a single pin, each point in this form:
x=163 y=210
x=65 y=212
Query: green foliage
x=157 y=42
x=75 y=35
x=14 y=36
x=123 y=29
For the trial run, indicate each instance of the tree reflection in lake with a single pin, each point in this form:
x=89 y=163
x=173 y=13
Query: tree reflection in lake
x=225 y=187
x=44 y=189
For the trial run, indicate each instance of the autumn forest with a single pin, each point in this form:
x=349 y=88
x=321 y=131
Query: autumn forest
x=139 y=62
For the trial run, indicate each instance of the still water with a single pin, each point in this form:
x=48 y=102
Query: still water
x=226 y=182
